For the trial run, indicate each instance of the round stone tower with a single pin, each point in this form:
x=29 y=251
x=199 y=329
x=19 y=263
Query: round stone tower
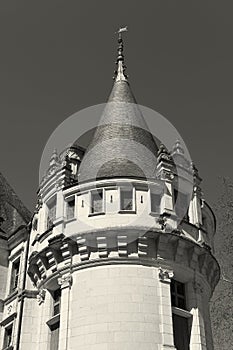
x=121 y=251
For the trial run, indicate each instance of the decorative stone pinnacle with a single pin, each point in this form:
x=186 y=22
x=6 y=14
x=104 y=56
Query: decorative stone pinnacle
x=54 y=158
x=162 y=221
x=120 y=71
x=163 y=153
x=177 y=148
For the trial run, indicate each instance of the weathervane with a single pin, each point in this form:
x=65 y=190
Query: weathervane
x=121 y=30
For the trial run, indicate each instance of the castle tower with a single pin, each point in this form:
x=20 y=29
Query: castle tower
x=120 y=254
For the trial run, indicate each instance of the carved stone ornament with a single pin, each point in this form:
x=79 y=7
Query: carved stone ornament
x=39 y=204
x=9 y=309
x=59 y=183
x=198 y=192
x=166 y=175
x=65 y=281
x=41 y=296
x=165 y=275
x=163 y=153
x=162 y=221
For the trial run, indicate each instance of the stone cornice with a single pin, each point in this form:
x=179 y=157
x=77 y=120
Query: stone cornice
x=26 y=293
x=29 y=294
x=153 y=247
x=77 y=188
x=10 y=297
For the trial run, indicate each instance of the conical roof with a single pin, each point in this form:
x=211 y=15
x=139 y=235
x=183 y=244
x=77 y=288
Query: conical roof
x=13 y=213
x=122 y=145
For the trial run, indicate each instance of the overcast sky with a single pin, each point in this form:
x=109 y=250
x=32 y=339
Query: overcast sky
x=57 y=57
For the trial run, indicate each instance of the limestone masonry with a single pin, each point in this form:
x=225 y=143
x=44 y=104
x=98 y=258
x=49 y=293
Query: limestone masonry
x=119 y=253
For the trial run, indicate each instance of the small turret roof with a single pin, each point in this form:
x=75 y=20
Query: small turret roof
x=122 y=145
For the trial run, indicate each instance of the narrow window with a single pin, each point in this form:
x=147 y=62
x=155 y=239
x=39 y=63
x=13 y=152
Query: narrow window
x=8 y=336
x=97 y=201
x=181 y=332
x=54 y=322
x=70 y=208
x=155 y=202
x=181 y=201
x=54 y=341
x=56 y=301
x=181 y=329
x=51 y=213
x=178 y=294
x=15 y=275
x=126 y=199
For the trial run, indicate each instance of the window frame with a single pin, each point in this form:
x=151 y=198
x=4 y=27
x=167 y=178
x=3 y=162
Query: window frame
x=186 y=319
x=185 y=216
x=49 y=206
x=91 y=193
x=178 y=295
x=181 y=312
x=16 y=277
x=56 y=297
x=127 y=189
x=6 y=344
x=53 y=327
x=154 y=193
x=67 y=200
x=54 y=322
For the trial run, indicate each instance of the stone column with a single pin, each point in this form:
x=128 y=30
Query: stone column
x=166 y=326
x=65 y=282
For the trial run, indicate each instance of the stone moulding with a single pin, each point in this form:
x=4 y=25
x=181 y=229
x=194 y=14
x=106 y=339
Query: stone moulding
x=64 y=253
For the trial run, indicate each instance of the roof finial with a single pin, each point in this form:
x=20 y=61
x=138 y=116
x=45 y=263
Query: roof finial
x=120 y=72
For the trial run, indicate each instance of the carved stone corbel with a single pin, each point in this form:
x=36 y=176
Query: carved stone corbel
x=65 y=281
x=41 y=296
x=165 y=275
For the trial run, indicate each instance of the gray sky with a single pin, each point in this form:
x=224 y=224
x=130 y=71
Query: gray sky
x=57 y=57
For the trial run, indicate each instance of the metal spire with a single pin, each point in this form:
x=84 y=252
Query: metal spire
x=120 y=72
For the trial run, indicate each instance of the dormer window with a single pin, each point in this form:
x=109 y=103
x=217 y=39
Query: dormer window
x=155 y=202
x=181 y=202
x=97 y=201
x=70 y=208
x=51 y=212
x=126 y=199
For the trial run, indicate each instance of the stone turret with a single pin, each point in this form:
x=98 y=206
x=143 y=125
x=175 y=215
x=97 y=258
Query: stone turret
x=120 y=256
